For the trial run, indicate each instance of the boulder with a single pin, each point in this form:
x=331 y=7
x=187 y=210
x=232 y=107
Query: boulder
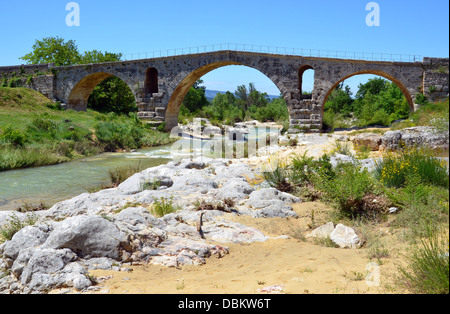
x=28 y=237
x=270 y=202
x=49 y=269
x=88 y=236
x=345 y=237
x=235 y=189
x=232 y=232
x=370 y=140
x=273 y=194
x=322 y=232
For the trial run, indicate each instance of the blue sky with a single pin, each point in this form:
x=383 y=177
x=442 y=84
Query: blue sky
x=406 y=27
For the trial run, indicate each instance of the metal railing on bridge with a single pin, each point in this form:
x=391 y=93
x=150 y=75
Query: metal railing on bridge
x=365 y=56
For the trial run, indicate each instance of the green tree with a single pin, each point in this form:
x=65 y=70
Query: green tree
x=340 y=100
x=53 y=50
x=374 y=86
x=112 y=95
x=196 y=97
x=96 y=56
x=242 y=97
x=250 y=97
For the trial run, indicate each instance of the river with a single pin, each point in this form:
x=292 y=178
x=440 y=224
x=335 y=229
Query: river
x=52 y=184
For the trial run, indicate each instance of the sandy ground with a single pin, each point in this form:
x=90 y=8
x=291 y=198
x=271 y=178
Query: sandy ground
x=298 y=266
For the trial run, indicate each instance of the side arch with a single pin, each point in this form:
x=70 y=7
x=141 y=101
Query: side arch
x=385 y=75
x=301 y=72
x=79 y=95
x=182 y=88
x=151 y=81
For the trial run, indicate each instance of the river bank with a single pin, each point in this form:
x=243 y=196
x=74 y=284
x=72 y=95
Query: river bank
x=36 y=132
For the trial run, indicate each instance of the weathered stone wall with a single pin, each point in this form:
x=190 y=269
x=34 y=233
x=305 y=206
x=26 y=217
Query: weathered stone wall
x=44 y=84
x=32 y=69
x=435 y=78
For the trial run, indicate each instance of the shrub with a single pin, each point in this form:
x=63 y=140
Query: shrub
x=43 y=124
x=278 y=176
x=380 y=117
x=394 y=169
x=119 y=135
x=151 y=185
x=303 y=168
x=347 y=190
x=343 y=148
x=422 y=206
x=12 y=136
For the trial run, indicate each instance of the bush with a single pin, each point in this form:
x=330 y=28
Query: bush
x=394 y=170
x=422 y=206
x=119 y=135
x=347 y=190
x=278 y=177
x=12 y=136
x=302 y=168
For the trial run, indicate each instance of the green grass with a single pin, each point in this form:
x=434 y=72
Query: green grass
x=122 y=173
x=35 y=132
x=163 y=206
x=429 y=114
x=14 y=224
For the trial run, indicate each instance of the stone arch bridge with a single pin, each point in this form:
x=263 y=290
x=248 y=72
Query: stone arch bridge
x=160 y=84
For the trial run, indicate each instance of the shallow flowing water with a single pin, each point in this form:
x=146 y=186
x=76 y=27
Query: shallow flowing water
x=52 y=184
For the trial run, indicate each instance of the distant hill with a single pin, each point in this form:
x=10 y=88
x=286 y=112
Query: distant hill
x=210 y=94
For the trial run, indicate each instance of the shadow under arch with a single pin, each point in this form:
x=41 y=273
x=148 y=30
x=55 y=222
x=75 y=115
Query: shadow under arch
x=378 y=73
x=183 y=87
x=79 y=96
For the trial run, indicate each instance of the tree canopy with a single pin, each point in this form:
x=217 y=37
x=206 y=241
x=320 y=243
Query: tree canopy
x=196 y=97
x=378 y=101
x=53 y=50
x=227 y=108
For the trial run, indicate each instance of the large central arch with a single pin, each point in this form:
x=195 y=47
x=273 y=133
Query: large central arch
x=183 y=87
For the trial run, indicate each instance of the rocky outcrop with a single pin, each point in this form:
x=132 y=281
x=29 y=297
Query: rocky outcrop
x=115 y=228
x=425 y=137
x=370 y=140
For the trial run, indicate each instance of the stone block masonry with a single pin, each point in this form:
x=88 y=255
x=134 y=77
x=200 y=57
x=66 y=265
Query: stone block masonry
x=435 y=79
x=160 y=84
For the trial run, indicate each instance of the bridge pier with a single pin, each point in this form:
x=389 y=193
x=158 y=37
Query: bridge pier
x=305 y=116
